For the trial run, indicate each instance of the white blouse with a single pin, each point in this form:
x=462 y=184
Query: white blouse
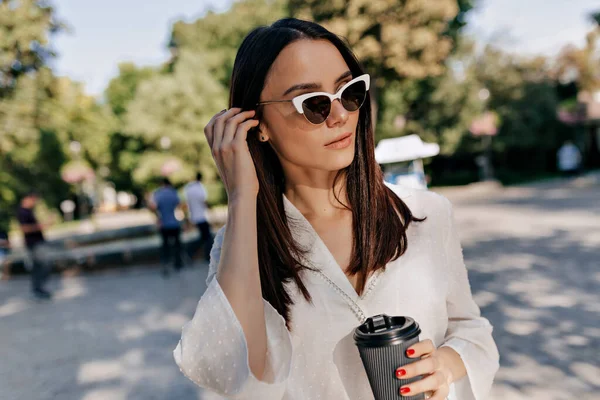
x=318 y=358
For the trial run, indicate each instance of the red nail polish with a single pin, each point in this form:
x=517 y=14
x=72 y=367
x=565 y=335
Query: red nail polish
x=410 y=352
x=404 y=390
x=400 y=372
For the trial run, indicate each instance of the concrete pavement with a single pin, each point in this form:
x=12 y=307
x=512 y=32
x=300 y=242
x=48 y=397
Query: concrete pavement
x=533 y=254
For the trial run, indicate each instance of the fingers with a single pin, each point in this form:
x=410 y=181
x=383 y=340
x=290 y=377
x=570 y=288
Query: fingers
x=223 y=126
x=226 y=134
x=420 y=349
x=435 y=382
x=215 y=126
x=231 y=126
x=242 y=130
x=208 y=129
x=425 y=366
x=219 y=127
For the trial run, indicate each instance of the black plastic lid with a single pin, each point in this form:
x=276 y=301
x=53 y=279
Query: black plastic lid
x=383 y=330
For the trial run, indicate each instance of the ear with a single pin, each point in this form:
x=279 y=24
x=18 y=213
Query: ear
x=262 y=132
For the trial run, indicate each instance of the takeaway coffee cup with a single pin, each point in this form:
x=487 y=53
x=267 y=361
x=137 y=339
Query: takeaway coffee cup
x=382 y=342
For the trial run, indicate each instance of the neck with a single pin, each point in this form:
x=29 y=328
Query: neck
x=317 y=200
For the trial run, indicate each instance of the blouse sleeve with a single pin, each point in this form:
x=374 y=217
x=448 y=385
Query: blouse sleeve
x=468 y=333
x=213 y=352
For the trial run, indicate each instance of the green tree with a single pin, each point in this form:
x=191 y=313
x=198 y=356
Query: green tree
x=393 y=39
x=41 y=114
x=173 y=106
x=125 y=149
x=405 y=47
x=582 y=64
x=28 y=122
x=76 y=116
x=169 y=112
x=50 y=159
x=121 y=89
x=40 y=119
x=25 y=29
x=523 y=94
x=217 y=36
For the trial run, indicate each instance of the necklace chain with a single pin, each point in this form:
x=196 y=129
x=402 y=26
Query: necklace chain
x=356 y=309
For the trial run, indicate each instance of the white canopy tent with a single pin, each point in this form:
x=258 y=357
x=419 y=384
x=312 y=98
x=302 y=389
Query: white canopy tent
x=405 y=148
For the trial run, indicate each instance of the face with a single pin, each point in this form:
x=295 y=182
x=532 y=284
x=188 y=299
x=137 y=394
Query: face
x=304 y=147
x=29 y=201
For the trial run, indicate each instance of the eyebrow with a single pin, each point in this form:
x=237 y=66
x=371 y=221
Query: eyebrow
x=303 y=86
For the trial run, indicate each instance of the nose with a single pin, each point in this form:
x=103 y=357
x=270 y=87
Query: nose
x=338 y=114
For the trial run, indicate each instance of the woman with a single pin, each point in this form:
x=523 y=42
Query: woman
x=315 y=242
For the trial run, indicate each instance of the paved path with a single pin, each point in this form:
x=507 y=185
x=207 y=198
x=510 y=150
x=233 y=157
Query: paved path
x=533 y=254
x=534 y=259
x=104 y=337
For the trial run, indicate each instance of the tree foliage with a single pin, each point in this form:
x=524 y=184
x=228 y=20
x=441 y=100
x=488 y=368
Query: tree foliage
x=121 y=89
x=41 y=114
x=393 y=39
x=177 y=104
x=25 y=29
x=218 y=36
x=176 y=107
x=408 y=47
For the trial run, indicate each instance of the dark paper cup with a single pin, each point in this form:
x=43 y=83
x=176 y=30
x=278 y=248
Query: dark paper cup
x=382 y=342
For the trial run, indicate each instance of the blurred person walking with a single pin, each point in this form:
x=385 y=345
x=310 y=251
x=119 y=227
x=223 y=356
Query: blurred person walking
x=164 y=203
x=569 y=159
x=195 y=197
x=34 y=242
x=4 y=249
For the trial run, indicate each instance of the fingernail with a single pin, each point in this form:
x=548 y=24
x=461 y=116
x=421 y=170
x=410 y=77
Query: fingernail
x=404 y=390
x=223 y=110
x=400 y=372
x=410 y=352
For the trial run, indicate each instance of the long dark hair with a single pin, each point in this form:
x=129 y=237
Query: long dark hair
x=378 y=237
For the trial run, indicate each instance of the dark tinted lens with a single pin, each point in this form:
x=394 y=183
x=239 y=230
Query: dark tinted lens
x=354 y=96
x=316 y=109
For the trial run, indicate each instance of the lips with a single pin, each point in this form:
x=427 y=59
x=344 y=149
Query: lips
x=340 y=137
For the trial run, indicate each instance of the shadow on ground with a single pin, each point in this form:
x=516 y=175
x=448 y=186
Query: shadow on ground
x=110 y=340
x=544 y=303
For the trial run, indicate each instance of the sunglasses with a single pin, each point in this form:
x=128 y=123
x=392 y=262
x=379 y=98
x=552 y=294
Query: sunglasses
x=316 y=106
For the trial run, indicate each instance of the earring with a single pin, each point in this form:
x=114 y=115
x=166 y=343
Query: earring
x=262 y=137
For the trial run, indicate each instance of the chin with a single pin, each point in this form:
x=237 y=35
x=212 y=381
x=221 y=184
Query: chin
x=340 y=160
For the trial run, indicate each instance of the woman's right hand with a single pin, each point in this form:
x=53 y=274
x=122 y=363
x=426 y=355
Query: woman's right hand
x=226 y=135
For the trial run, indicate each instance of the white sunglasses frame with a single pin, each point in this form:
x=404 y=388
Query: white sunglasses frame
x=298 y=100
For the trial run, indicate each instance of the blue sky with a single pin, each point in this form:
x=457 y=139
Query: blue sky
x=104 y=33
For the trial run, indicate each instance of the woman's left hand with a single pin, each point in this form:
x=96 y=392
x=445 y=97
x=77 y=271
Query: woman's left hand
x=435 y=367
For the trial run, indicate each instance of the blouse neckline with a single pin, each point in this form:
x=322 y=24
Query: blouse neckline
x=326 y=264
